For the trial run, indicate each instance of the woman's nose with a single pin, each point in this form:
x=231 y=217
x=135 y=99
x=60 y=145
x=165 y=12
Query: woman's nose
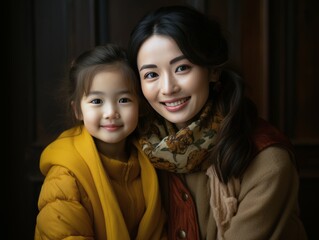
x=169 y=85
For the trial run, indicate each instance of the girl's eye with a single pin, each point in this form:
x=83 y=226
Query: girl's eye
x=124 y=100
x=96 y=101
x=182 y=68
x=150 y=75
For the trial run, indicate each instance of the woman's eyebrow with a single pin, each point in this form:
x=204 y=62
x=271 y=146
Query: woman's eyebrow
x=174 y=60
x=148 y=66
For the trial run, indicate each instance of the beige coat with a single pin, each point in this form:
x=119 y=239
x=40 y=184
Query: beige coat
x=267 y=202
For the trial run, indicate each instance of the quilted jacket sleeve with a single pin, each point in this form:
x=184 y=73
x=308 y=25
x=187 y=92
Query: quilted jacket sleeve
x=63 y=208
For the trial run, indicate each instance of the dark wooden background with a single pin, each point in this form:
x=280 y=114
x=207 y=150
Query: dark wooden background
x=273 y=43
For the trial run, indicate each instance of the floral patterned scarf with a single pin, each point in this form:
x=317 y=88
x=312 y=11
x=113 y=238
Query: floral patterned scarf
x=187 y=149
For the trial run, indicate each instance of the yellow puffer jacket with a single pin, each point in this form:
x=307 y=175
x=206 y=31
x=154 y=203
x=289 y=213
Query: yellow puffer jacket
x=76 y=200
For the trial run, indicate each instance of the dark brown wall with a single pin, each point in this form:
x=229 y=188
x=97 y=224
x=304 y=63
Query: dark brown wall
x=273 y=45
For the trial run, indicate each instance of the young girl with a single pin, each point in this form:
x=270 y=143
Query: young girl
x=226 y=174
x=98 y=185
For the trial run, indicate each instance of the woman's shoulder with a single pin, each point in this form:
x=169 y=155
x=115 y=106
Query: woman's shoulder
x=273 y=162
x=274 y=156
x=270 y=173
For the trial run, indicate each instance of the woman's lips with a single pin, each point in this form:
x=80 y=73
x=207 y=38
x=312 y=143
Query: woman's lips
x=176 y=105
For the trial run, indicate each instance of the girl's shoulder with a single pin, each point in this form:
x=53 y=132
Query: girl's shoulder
x=59 y=184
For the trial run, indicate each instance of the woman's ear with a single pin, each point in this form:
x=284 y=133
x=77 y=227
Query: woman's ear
x=214 y=74
x=77 y=113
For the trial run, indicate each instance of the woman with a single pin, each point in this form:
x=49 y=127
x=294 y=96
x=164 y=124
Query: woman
x=225 y=173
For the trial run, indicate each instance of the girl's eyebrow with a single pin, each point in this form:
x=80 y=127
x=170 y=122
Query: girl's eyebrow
x=124 y=91
x=174 y=60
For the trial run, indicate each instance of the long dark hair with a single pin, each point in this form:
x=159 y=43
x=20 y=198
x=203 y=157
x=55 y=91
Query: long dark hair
x=201 y=41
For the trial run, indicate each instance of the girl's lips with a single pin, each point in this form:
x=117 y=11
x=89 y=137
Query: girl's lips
x=111 y=127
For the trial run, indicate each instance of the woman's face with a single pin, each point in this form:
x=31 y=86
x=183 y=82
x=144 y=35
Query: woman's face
x=176 y=88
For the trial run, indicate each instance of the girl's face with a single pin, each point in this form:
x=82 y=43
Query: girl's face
x=176 y=88
x=109 y=110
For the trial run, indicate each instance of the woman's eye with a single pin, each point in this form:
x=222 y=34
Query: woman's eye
x=150 y=75
x=96 y=101
x=182 y=68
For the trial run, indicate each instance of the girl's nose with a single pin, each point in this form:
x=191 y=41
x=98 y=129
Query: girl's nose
x=111 y=114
